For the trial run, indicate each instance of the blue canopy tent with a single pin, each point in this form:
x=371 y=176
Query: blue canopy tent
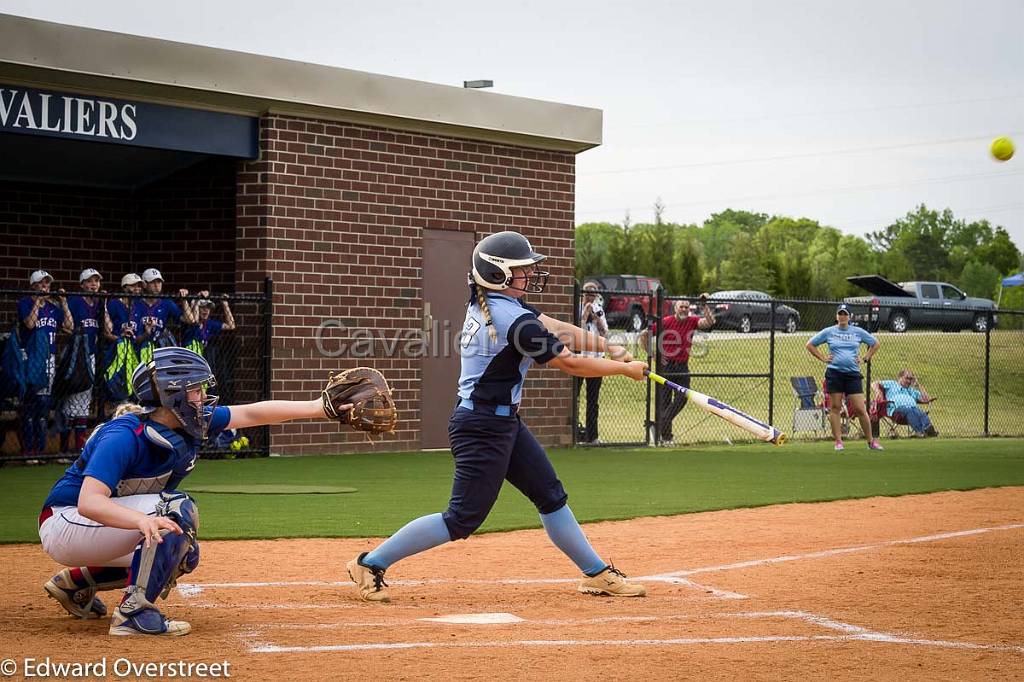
x=1011 y=281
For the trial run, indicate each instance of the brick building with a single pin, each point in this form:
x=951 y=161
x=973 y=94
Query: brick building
x=360 y=195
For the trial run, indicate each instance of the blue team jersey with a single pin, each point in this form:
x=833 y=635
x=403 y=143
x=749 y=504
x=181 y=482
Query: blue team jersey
x=133 y=456
x=843 y=344
x=494 y=371
x=898 y=395
x=50 y=319
x=204 y=333
x=86 y=316
x=159 y=314
x=120 y=318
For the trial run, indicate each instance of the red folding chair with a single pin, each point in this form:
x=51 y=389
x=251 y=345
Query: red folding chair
x=878 y=413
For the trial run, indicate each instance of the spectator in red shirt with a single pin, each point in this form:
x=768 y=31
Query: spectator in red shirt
x=676 y=338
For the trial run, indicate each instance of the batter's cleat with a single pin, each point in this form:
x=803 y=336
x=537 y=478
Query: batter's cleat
x=873 y=444
x=839 y=446
x=611 y=582
x=80 y=602
x=146 y=622
x=369 y=580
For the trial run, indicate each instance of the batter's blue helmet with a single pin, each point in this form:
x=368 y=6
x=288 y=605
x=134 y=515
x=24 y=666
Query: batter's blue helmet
x=166 y=380
x=496 y=256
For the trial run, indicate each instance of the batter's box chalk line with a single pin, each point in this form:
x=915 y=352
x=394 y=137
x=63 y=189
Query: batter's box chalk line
x=189 y=590
x=257 y=642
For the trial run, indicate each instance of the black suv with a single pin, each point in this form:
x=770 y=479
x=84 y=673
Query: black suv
x=747 y=311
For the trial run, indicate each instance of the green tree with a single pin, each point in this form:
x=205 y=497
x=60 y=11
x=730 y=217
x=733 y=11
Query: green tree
x=594 y=243
x=687 y=269
x=1000 y=252
x=743 y=268
x=980 y=279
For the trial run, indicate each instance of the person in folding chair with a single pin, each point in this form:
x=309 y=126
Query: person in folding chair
x=900 y=399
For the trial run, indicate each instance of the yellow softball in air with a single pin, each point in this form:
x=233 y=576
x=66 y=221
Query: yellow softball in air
x=1002 y=148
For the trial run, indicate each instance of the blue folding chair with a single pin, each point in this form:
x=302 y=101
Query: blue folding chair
x=810 y=414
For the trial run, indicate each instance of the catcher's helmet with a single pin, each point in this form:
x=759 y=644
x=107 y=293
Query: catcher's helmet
x=165 y=381
x=495 y=257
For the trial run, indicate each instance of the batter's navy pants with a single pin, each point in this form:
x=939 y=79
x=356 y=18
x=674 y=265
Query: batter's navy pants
x=488 y=450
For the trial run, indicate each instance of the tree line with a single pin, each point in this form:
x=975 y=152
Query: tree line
x=799 y=257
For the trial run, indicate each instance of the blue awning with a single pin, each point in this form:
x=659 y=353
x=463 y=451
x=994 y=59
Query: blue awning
x=1014 y=280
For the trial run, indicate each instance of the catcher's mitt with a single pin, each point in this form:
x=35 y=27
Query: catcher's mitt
x=366 y=389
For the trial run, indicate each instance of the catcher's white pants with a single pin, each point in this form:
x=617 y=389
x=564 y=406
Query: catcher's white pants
x=73 y=540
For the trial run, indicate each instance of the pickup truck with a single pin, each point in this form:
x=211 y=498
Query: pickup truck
x=900 y=306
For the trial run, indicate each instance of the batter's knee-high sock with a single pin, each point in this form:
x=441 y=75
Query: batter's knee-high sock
x=565 y=532
x=414 y=537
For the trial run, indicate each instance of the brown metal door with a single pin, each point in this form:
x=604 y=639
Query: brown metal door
x=446 y=260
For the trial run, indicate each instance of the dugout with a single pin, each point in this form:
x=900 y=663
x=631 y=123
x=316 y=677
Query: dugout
x=360 y=195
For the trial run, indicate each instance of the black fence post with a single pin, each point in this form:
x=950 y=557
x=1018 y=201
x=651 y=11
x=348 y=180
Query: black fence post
x=268 y=330
x=988 y=356
x=652 y=391
x=771 y=365
x=576 y=298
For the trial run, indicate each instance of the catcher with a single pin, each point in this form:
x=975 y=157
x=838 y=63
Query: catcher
x=116 y=519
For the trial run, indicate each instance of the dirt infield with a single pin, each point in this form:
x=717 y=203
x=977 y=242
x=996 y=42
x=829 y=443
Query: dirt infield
x=919 y=587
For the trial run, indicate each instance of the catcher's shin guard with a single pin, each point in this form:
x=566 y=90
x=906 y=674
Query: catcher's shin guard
x=155 y=569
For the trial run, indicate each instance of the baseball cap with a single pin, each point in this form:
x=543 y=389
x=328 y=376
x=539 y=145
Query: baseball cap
x=89 y=272
x=151 y=274
x=130 y=278
x=39 y=276
x=843 y=309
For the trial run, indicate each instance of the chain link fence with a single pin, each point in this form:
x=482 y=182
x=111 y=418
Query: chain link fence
x=66 y=363
x=754 y=358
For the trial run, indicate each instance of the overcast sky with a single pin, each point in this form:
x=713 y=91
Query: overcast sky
x=851 y=113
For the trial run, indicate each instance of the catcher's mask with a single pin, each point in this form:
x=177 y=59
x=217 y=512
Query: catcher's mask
x=496 y=256
x=177 y=378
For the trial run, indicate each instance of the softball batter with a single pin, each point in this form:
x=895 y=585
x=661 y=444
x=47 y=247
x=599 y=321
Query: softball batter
x=501 y=338
x=116 y=517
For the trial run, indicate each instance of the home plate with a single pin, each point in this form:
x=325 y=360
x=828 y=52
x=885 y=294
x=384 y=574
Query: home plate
x=477 y=618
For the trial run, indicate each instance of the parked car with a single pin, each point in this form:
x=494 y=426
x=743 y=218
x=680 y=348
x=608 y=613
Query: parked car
x=631 y=308
x=747 y=311
x=934 y=305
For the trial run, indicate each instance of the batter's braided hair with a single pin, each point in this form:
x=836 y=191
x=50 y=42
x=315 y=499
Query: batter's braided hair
x=480 y=297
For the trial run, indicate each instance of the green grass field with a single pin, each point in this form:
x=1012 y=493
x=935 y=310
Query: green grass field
x=950 y=366
x=602 y=483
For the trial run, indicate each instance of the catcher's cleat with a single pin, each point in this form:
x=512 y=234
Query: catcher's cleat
x=146 y=622
x=80 y=602
x=369 y=580
x=611 y=582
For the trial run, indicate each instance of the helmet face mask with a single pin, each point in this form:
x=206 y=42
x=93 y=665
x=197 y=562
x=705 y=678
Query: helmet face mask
x=507 y=257
x=177 y=379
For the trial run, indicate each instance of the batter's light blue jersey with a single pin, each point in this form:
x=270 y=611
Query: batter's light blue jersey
x=843 y=344
x=494 y=371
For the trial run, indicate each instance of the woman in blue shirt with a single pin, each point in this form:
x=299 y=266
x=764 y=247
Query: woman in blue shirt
x=843 y=379
x=501 y=338
x=116 y=517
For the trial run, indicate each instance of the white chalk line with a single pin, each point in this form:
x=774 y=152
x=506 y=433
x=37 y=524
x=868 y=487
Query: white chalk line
x=673 y=577
x=832 y=552
x=852 y=633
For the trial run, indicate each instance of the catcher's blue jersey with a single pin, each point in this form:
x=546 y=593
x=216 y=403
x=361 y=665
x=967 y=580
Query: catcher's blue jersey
x=494 y=371
x=133 y=456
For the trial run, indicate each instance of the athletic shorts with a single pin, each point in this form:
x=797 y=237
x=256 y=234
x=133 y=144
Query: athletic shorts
x=843 y=382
